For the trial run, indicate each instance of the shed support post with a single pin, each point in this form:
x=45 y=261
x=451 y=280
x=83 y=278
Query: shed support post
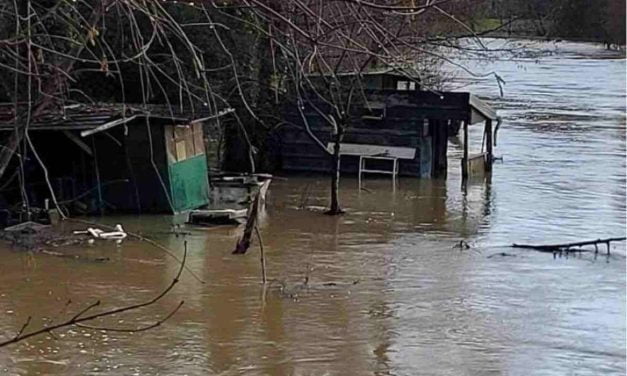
x=439 y=143
x=97 y=173
x=489 y=139
x=465 y=157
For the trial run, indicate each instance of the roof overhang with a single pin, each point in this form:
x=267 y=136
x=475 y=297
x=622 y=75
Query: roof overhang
x=437 y=104
x=479 y=110
x=107 y=126
x=93 y=119
x=117 y=122
x=397 y=72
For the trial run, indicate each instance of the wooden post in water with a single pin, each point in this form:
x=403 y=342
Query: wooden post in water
x=488 y=134
x=465 y=157
x=439 y=136
x=262 y=257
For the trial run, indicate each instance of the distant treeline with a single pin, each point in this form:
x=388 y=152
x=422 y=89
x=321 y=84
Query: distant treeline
x=593 y=20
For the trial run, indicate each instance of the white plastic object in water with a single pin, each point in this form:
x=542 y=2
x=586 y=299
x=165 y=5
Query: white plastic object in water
x=97 y=233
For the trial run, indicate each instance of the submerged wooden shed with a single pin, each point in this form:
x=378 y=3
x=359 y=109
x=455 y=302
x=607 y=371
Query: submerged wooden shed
x=409 y=127
x=124 y=158
x=383 y=79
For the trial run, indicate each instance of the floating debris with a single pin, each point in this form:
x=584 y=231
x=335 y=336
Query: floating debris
x=217 y=217
x=119 y=233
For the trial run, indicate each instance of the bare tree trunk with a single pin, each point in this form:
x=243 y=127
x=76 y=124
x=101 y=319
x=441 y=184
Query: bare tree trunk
x=336 y=209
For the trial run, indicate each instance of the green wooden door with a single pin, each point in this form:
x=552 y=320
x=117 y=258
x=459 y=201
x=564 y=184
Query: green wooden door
x=189 y=183
x=187 y=166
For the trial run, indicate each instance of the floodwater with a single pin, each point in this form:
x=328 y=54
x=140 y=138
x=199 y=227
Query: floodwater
x=381 y=290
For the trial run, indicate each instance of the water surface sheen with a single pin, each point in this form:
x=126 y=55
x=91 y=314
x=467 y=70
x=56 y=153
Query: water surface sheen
x=387 y=293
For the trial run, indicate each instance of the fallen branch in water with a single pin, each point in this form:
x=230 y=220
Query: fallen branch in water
x=80 y=317
x=262 y=257
x=568 y=247
x=502 y=254
x=244 y=243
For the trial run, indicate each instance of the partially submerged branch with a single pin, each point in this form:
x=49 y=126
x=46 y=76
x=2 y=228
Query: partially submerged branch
x=566 y=247
x=244 y=242
x=262 y=257
x=80 y=317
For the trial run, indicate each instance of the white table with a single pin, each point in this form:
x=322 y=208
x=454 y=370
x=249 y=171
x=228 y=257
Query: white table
x=367 y=152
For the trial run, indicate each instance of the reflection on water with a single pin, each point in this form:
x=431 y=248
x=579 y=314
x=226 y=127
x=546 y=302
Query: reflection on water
x=383 y=289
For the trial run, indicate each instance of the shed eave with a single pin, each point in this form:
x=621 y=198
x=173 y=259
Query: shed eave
x=481 y=107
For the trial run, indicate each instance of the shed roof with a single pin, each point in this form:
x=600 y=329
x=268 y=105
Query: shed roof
x=396 y=72
x=91 y=117
x=438 y=105
x=481 y=107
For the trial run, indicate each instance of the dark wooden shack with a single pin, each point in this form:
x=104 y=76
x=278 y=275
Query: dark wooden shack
x=386 y=79
x=409 y=128
x=113 y=157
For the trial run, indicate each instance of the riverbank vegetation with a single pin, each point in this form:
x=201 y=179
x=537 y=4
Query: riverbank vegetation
x=600 y=21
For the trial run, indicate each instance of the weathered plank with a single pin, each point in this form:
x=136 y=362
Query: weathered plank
x=375 y=150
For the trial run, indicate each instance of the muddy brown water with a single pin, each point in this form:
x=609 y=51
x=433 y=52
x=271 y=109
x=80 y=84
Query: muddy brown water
x=388 y=293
